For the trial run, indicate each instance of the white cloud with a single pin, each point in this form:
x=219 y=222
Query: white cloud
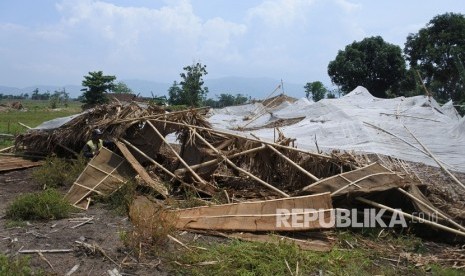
x=280 y=12
x=348 y=6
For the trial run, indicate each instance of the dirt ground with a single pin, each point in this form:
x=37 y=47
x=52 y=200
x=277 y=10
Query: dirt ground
x=59 y=234
x=103 y=231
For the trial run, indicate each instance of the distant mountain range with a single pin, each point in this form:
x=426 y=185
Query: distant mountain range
x=254 y=87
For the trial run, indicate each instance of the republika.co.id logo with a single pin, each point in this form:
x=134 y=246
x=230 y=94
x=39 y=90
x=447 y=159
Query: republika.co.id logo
x=341 y=218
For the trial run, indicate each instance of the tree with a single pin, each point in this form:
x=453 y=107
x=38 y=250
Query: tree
x=432 y=51
x=192 y=84
x=317 y=89
x=97 y=85
x=175 y=94
x=372 y=63
x=121 y=88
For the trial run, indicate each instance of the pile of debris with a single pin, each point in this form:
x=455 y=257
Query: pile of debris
x=246 y=184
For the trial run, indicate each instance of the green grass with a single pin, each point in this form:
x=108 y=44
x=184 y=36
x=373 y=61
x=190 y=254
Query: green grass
x=45 y=205
x=253 y=258
x=58 y=172
x=18 y=266
x=34 y=113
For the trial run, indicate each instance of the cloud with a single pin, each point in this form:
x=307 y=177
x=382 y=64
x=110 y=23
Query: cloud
x=280 y=12
x=348 y=6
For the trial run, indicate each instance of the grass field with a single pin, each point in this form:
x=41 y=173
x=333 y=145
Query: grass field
x=33 y=114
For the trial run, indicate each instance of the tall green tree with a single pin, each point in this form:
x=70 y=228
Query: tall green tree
x=317 y=89
x=121 y=88
x=372 y=63
x=97 y=85
x=175 y=95
x=194 y=93
x=432 y=51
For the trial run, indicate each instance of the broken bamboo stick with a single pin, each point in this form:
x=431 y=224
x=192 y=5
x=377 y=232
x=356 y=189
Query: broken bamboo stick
x=31 y=251
x=440 y=163
x=26 y=126
x=238 y=168
x=292 y=163
x=244 y=137
x=215 y=161
x=196 y=176
x=7 y=148
x=431 y=208
x=430 y=223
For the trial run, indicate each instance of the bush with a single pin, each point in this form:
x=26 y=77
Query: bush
x=46 y=205
x=58 y=172
x=16 y=266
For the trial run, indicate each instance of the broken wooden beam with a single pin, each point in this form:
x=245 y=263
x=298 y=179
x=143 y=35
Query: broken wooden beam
x=141 y=171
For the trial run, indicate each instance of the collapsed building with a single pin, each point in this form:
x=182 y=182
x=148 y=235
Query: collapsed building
x=246 y=162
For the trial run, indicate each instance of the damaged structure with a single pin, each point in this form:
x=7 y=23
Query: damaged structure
x=245 y=163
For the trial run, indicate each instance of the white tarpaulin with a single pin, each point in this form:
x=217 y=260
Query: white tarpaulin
x=344 y=124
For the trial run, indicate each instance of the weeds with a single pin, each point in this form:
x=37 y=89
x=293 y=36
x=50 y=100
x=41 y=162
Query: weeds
x=16 y=266
x=151 y=227
x=251 y=258
x=46 y=205
x=58 y=172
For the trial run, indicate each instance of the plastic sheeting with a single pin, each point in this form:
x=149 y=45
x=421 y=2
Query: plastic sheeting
x=342 y=124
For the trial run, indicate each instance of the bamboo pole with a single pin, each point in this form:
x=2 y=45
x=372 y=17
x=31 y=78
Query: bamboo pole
x=7 y=148
x=430 y=223
x=238 y=168
x=244 y=137
x=436 y=160
x=396 y=136
x=292 y=163
x=431 y=208
x=156 y=116
x=196 y=176
x=163 y=168
x=26 y=126
x=215 y=161
x=45 y=251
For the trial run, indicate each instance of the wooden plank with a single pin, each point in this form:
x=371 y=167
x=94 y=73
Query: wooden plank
x=9 y=163
x=371 y=178
x=259 y=215
x=141 y=171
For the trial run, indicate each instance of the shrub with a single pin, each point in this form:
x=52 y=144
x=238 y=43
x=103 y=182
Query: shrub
x=46 y=205
x=59 y=172
x=152 y=225
x=16 y=266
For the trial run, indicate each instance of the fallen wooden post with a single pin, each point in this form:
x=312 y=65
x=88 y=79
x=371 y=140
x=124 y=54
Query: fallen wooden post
x=238 y=168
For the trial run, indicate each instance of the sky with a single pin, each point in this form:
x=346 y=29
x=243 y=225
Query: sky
x=57 y=42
